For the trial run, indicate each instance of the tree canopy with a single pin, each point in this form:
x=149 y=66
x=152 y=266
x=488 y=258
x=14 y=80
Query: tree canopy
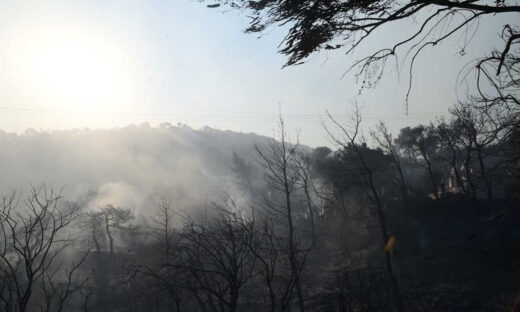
x=316 y=25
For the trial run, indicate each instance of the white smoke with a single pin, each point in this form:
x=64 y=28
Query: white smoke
x=127 y=167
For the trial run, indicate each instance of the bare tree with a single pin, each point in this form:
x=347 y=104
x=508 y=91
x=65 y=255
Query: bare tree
x=93 y=224
x=33 y=238
x=282 y=175
x=498 y=78
x=385 y=142
x=264 y=246
x=306 y=184
x=217 y=258
x=484 y=132
x=368 y=167
x=161 y=271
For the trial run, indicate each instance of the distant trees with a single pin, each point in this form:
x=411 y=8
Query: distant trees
x=114 y=218
x=275 y=251
x=450 y=154
x=231 y=258
x=245 y=172
x=279 y=252
x=482 y=133
x=477 y=146
x=104 y=221
x=421 y=144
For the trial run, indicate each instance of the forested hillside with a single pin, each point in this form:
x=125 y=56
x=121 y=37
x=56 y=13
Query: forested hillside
x=175 y=219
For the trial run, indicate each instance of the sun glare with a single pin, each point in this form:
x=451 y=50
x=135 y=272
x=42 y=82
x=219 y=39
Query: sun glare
x=85 y=73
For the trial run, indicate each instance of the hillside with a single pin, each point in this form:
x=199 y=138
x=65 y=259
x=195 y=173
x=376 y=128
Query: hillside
x=125 y=166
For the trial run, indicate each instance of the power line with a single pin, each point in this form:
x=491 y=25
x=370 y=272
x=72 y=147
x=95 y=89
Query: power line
x=209 y=115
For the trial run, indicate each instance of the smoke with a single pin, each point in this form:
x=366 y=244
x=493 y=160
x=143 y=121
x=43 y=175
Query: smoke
x=129 y=166
x=118 y=194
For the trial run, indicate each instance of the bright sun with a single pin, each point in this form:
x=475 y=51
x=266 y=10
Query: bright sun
x=86 y=73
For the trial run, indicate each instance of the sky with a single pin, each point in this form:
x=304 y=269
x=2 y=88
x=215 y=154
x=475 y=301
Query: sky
x=102 y=64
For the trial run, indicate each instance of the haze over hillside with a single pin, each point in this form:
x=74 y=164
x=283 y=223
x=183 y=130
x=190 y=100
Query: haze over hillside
x=126 y=166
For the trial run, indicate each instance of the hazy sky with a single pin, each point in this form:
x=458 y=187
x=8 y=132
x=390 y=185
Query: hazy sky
x=100 y=64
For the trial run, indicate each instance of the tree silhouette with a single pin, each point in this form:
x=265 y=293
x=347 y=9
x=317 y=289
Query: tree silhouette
x=366 y=164
x=285 y=175
x=334 y=24
x=33 y=239
x=420 y=144
x=114 y=217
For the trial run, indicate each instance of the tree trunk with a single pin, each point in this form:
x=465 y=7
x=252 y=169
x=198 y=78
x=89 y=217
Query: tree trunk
x=233 y=300
x=109 y=234
x=292 y=257
x=272 y=297
x=483 y=173
x=292 y=248
x=394 y=286
x=96 y=241
x=430 y=173
x=404 y=187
